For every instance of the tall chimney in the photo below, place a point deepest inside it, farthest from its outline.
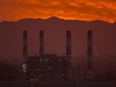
(68, 50)
(25, 49)
(41, 49)
(25, 55)
(89, 56)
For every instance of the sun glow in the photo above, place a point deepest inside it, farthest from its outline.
(65, 9)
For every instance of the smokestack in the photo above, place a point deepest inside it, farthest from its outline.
(25, 49)
(89, 56)
(41, 51)
(68, 43)
(68, 50)
(25, 55)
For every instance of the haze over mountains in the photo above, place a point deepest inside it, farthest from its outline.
(104, 37)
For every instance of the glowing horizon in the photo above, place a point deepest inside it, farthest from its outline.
(88, 10)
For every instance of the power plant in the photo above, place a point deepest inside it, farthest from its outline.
(47, 66)
(52, 70)
(50, 66)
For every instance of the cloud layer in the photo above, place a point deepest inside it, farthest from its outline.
(66, 9)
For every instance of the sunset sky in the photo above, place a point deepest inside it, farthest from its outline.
(66, 9)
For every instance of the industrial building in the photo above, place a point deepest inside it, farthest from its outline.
(50, 66)
(46, 66)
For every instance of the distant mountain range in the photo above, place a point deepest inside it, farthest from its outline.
(104, 36)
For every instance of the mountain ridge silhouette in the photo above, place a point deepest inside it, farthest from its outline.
(57, 19)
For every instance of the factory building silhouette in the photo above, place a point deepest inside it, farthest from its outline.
(50, 66)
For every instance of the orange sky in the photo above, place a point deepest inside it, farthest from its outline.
(66, 9)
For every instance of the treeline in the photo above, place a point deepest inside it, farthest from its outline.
(9, 72)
